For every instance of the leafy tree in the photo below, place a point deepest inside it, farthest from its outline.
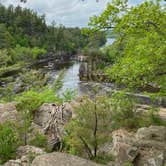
(4, 58)
(138, 54)
(6, 39)
(90, 129)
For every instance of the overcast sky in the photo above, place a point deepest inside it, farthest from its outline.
(67, 12)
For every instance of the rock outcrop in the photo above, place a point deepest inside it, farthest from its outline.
(146, 147)
(49, 120)
(61, 159)
(8, 112)
(25, 155)
(26, 150)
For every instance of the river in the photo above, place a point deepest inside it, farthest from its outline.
(71, 81)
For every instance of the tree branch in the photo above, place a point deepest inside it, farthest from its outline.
(88, 150)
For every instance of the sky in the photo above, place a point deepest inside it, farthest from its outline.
(71, 13)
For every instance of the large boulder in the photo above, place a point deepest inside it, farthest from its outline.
(26, 150)
(123, 147)
(25, 156)
(156, 133)
(50, 120)
(8, 112)
(13, 163)
(61, 159)
(146, 147)
(150, 157)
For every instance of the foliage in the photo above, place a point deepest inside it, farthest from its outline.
(104, 158)
(24, 27)
(125, 113)
(8, 142)
(6, 39)
(25, 54)
(127, 164)
(69, 95)
(90, 129)
(28, 103)
(31, 100)
(4, 58)
(57, 84)
(31, 79)
(24, 127)
(96, 118)
(138, 53)
(40, 140)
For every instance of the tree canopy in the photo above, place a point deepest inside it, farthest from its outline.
(138, 53)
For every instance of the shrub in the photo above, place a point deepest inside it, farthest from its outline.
(40, 140)
(123, 111)
(8, 142)
(90, 129)
(31, 100)
(128, 164)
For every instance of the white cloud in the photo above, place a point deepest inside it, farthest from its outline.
(66, 12)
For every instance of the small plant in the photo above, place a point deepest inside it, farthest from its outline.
(31, 157)
(31, 100)
(8, 142)
(40, 140)
(123, 111)
(68, 95)
(90, 129)
(104, 158)
(128, 164)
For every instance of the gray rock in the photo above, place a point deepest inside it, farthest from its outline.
(8, 112)
(156, 161)
(26, 150)
(50, 119)
(61, 159)
(13, 163)
(150, 157)
(123, 147)
(157, 133)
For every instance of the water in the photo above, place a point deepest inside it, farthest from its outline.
(109, 41)
(71, 79)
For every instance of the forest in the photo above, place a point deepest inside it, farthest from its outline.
(68, 97)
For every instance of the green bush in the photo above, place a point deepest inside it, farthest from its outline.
(25, 54)
(8, 142)
(40, 140)
(128, 164)
(31, 100)
(124, 113)
(104, 158)
(90, 129)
